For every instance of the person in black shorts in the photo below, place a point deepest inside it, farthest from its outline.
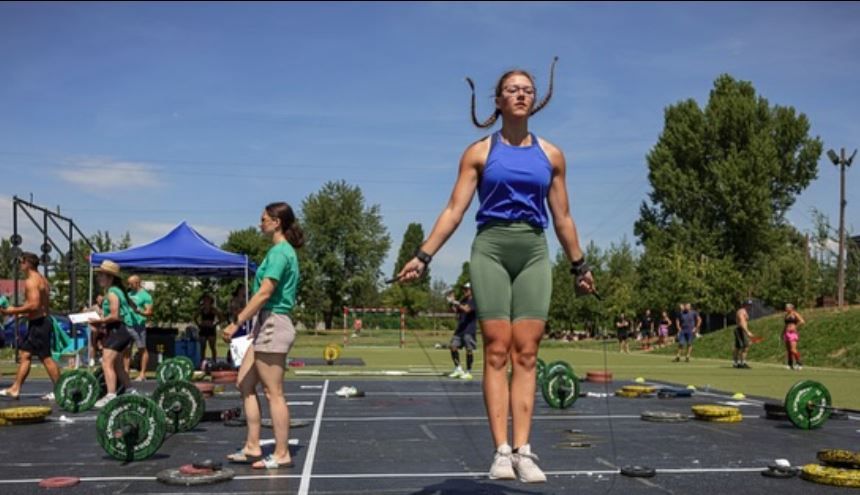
(118, 316)
(39, 327)
(622, 327)
(464, 336)
(207, 320)
(646, 329)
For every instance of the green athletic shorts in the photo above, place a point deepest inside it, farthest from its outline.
(510, 272)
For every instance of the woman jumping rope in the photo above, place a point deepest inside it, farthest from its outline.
(515, 174)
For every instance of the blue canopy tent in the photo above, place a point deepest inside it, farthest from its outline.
(183, 251)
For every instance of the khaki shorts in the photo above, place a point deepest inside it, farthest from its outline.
(273, 333)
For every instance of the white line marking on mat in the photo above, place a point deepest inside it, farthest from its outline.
(305, 484)
(314, 387)
(334, 419)
(582, 472)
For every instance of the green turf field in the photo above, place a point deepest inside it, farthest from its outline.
(768, 379)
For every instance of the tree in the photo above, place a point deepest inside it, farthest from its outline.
(346, 245)
(414, 297)
(59, 269)
(464, 277)
(249, 241)
(412, 240)
(722, 180)
(566, 309)
(6, 259)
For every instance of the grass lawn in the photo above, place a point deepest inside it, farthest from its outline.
(767, 378)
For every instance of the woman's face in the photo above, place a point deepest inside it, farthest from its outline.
(269, 225)
(104, 280)
(518, 96)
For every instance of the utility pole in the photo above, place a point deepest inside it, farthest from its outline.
(842, 162)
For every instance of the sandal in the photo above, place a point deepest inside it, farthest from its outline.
(5, 393)
(269, 462)
(242, 457)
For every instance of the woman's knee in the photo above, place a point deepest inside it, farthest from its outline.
(526, 359)
(496, 355)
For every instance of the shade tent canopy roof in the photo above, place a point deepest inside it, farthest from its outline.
(183, 251)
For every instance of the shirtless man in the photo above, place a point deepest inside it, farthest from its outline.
(39, 327)
(742, 336)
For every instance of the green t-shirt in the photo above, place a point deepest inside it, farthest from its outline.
(125, 312)
(4, 303)
(142, 299)
(282, 266)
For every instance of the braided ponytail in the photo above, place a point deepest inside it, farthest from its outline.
(537, 108)
(490, 121)
(499, 86)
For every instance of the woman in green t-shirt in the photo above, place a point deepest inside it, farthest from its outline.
(273, 334)
(118, 316)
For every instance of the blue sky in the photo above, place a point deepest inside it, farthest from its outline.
(136, 116)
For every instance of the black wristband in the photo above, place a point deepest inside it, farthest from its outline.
(423, 257)
(579, 267)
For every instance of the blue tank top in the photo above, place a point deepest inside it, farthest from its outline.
(514, 184)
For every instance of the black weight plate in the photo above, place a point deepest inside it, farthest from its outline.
(182, 403)
(174, 477)
(773, 407)
(77, 391)
(808, 405)
(15, 239)
(664, 417)
(779, 472)
(638, 471)
(131, 428)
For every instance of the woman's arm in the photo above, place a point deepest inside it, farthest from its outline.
(464, 190)
(253, 307)
(565, 228)
(800, 320)
(113, 315)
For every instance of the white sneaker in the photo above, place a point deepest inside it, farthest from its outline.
(524, 462)
(92, 363)
(48, 396)
(104, 401)
(799, 367)
(466, 376)
(457, 373)
(502, 468)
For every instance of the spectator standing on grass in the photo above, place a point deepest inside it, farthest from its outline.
(646, 328)
(356, 327)
(466, 333)
(688, 324)
(622, 329)
(742, 336)
(793, 320)
(663, 330)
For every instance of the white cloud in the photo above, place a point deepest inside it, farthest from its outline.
(144, 232)
(105, 172)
